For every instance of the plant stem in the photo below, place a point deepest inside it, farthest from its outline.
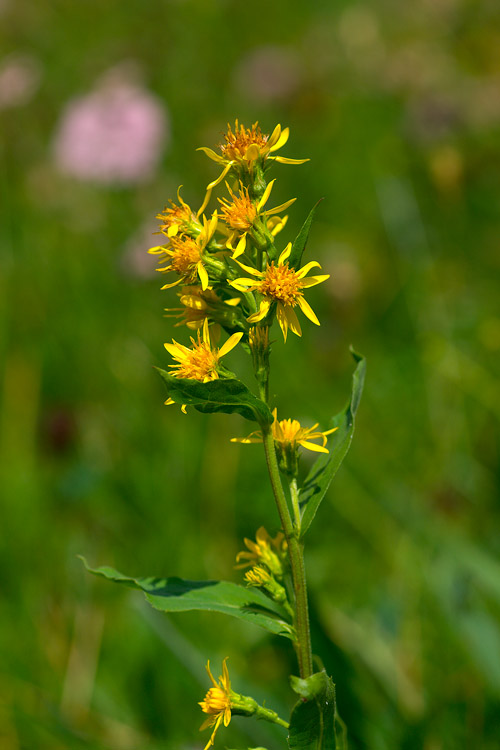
(294, 494)
(296, 556)
(272, 716)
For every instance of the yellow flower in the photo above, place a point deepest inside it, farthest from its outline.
(242, 212)
(289, 433)
(217, 703)
(184, 255)
(283, 285)
(258, 576)
(200, 305)
(247, 145)
(177, 217)
(264, 551)
(200, 362)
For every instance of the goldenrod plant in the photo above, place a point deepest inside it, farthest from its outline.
(235, 280)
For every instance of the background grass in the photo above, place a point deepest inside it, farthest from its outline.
(398, 107)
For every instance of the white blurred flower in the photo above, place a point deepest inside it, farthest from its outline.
(115, 134)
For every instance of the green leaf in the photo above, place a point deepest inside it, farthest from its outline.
(314, 717)
(178, 595)
(326, 466)
(300, 242)
(228, 395)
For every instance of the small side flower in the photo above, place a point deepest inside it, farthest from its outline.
(217, 703)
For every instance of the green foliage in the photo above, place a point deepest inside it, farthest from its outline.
(326, 466)
(178, 595)
(227, 395)
(300, 242)
(313, 718)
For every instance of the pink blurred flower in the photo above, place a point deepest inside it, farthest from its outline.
(114, 135)
(19, 80)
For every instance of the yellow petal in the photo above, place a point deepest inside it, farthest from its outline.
(285, 160)
(224, 172)
(274, 137)
(313, 280)
(225, 680)
(249, 269)
(292, 320)
(281, 140)
(205, 201)
(329, 432)
(307, 310)
(285, 254)
(283, 323)
(252, 153)
(261, 312)
(242, 285)
(212, 155)
(265, 197)
(212, 226)
(176, 350)
(172, 230)
(208, 722)
(281, 207)
(202, 273)
(240, 247)
(305, 269)
(313, 446)
(246, 441)
(174, 283)
(206, 333)
(230, 343)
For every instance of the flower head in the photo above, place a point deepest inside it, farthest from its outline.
(257, 576)
(245, 146)
(282, 285)
(177, 218)
(217, 703)
(264, 551)
(241, 215)
(288, 433)
(184, 255)
(201, 361)
(199, 305)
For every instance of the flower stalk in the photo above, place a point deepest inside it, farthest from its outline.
(296, 557)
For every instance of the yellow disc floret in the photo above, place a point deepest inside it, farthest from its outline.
(241, 212)
(185, 255)
(281, 283)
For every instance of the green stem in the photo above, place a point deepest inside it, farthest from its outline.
(296, 556)
(272, 716)
(294, 494)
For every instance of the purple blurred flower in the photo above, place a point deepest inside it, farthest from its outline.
(113, 135)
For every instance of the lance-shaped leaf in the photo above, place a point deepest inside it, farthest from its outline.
(300, 242)
(178, 595)
(326, 466)
(227, 395)
(313, 719)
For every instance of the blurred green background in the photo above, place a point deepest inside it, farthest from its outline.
(102, 105)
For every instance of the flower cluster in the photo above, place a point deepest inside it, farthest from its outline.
(203, 254)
